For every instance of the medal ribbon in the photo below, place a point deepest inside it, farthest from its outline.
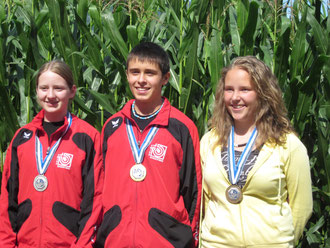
(42, 165)
(235, 170)
(138, 152)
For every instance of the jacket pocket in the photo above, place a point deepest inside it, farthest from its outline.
(67, 216)
(178, 234)
(111, 220)
(23, 212)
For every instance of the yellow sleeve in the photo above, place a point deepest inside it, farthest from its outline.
(204, 149)
(299, 184)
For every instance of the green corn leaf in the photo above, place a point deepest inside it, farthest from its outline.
(95, 15)
(92, 47)
(113, 35)
(249, 29)
(298, 50)
(103, 100)
(235, 37)
(321, 40)
(82, 9)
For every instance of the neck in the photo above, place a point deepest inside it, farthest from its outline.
(242, 133)
(145, 109)
(242, 129)
(53, 117)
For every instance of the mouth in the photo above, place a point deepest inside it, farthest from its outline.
(237, 107)
(141, 89)
(51, 104)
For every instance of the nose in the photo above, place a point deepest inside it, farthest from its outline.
(141, 78)
(236, 95)
(50, 93)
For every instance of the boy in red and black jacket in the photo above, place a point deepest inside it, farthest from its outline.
(152, 187)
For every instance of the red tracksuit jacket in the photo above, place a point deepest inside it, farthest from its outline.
(66, 213)
(163, 209)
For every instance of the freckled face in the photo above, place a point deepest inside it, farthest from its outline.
(145, 80)
(240, 97)
(54, 95)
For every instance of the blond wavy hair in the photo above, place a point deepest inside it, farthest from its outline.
(271, 115)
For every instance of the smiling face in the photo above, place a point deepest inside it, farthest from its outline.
(146, 81)
(54, 95)
(240, 97)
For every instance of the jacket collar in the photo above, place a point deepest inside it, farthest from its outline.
(38, 119)
(161, 118)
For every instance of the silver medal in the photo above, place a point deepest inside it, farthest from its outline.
(40, 183)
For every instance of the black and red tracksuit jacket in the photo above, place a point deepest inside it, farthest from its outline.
(163, 209)
(67, 212)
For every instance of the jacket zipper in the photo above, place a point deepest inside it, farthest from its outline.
(41, 220)
(139, 132)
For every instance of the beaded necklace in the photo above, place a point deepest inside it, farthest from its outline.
(145, 117)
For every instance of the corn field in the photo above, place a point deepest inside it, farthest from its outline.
(201, 36)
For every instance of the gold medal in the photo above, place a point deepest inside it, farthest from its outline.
(234, 194)
(138, 172)
(40, 183)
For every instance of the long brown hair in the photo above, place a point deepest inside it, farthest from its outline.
(271, 117)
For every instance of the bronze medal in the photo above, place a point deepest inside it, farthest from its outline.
(234, 194)
(138, 172)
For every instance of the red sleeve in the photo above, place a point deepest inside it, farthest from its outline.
(7, 234)
(94, 180)
(195, 222)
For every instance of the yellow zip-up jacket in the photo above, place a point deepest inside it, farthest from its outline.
(277, 197)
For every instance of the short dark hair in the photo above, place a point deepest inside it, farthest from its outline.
(151, 52)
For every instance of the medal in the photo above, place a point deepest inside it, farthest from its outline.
(138, 172)
(40, 183)
(234, 194)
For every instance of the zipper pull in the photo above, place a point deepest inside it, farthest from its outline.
(47, 150)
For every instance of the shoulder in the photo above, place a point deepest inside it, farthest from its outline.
(80, 125)
(208, 141)
(209, 138)
(180, 117)
(112, 124)
(292, 142)
(23, 135)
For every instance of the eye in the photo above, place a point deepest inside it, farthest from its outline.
(134, 72)
(151, 73)
(58, 88)
(43, 88)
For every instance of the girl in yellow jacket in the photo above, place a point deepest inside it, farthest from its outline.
(257, 186)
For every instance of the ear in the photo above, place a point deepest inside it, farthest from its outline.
(73, 91)
(166, 77)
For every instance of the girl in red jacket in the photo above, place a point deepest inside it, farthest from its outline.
(52, 176)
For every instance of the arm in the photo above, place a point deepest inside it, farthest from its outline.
(191, 180)
(299, 186)
(91, 204)
(205, 147)
(9, 189)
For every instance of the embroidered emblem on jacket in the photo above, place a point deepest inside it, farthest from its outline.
(157, 152)
(115, 123)
(26, 135)
(64, 160)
